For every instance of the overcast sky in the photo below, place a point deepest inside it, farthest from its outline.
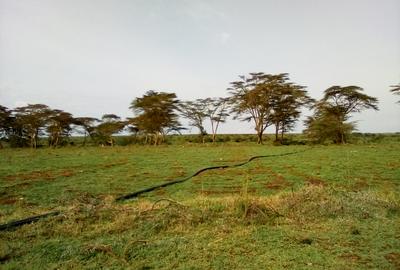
(91, 57)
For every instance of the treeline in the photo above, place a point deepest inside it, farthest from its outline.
(263, 99)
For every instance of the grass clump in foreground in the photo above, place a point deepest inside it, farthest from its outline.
(316, 227)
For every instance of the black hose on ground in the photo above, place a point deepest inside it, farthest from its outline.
(169, 183)
(18, 223)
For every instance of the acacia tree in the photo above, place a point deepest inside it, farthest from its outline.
(156, 114)
(267, 99)
(335, 108)
(213, 109)
(250, 100)
(5, 122)
(324, 126)
(195, 111)
(287, 100)
(59, 126)
(88, 124)
(111, 124)
(32, 119)
(217, 112)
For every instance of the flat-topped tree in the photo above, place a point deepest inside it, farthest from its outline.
(336, 108)
(287, 100)
(156, 114)
(216, 112)
(342, 101)
(195, 111)
(59, 126)
(32, 119)
(212, 109)
(88, 125)
(267, 99)
(111, 124)
(250, 101)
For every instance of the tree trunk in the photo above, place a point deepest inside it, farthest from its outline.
(277, 131)
(156, 139)
(56, 140)
(259, 137)
(214, 137)
(33, 140)
(341, 131)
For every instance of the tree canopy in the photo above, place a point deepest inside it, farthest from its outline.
(110, 124)
(156, 114)
(32, 120)
(267, 99)
(216, 112)
(335, 108)
(195, 112)
(59, 126)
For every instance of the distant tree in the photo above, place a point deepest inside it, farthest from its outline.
(335, 108)
(213, 109)
(59, 126)
(5, 123)
(131, 127)
(111, 124)
(250, 100)
(323, 126)
(156, 114)
(32, 119)
(195, 111)
(88, 124)
(268, 99)
(217, 112)
(11, 129)
(395, 90)
(287, 100)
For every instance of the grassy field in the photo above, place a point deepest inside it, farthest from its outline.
(330, 207)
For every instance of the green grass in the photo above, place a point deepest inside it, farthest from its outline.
(330, 207)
